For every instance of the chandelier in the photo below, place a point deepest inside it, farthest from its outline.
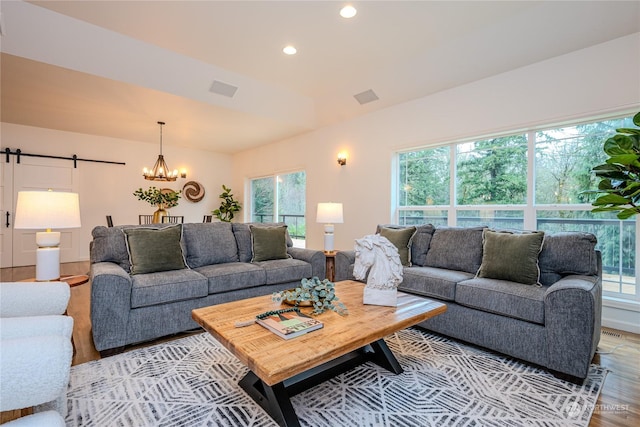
(160, 171)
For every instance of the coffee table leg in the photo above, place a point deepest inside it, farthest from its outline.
(382, 356)
(273, 399)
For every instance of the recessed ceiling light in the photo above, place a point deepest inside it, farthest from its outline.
(289, 50)
(348, 11)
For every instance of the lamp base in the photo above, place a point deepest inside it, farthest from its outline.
(48, 256)
(47, 264)
(328, 238)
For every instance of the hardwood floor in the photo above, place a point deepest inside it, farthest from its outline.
(619, 351)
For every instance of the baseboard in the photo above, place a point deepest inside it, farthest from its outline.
(621, 315)
(621, 326)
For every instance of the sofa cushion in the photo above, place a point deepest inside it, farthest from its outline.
(420, 243)
(209, 243)
(155, 249)
(503, 297)
(432, 282)
(167, 286)
(511, 256)
(285, 270)
(401, 239)
(268, 243)
(456, 248)
(567, 253)
(108, 245)
(242, 234)
(232, 276)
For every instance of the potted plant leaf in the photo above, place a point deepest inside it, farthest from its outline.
(316, 293)
(619, 187)
(162, 199)
(228, 206)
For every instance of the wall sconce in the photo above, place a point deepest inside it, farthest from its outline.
(342, 159)
(183, 173)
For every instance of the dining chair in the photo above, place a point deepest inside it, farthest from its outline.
(207, 218)
(173, 219)
(109, 221)
(145, 219)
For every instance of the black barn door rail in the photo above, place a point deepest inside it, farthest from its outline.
(74, 158)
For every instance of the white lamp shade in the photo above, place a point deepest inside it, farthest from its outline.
(329, 213)
(47, 209)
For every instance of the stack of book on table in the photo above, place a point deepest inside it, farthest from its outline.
(288, 324)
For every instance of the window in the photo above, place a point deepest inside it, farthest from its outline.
(492, 172)
(281, 198)
(533, 180)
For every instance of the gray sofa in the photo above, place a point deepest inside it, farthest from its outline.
(555, 324)
(130, 308)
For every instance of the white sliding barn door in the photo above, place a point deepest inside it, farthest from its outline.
(6, 214)
(39, 174)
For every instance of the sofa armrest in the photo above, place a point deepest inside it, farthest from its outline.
(344, 265)
(110, 304)
(36, 326)
(33, 298)
(35, 370)
(573, 312)
(314, 257)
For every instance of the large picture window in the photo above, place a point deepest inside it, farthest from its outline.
(525, 181)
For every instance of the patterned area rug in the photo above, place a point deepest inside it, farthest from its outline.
(193, 382)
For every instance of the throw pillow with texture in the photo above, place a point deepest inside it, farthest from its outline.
(456, 248)
(242, 233)
(401, 239)
(510, 256)
(155, 249)
(268, 243)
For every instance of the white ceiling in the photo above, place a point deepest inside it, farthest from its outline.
(114, 68)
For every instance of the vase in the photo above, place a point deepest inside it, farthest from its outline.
(159, 214)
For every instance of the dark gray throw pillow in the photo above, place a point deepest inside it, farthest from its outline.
(401, 239)
(456, 248)
(155, 249)
(510, 256)
(268, 243)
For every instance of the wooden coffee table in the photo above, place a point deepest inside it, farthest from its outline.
(282, 368)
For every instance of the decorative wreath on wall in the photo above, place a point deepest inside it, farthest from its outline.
(193, 191)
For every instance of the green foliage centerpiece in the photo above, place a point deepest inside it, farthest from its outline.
(163, 199)
(318, 294)
(620, 175)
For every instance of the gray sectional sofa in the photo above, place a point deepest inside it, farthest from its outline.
(554, 323)
(132, 303)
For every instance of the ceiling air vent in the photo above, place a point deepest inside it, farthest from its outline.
(223, 89)
(366, 97)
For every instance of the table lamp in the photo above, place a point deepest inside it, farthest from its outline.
(47, 210)
(329, 214)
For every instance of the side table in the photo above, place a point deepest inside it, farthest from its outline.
(71, 280)
(331, 265)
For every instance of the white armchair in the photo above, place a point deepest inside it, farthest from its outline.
(35, 351)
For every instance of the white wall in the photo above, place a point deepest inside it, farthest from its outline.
(583, 84)
(106, 189)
